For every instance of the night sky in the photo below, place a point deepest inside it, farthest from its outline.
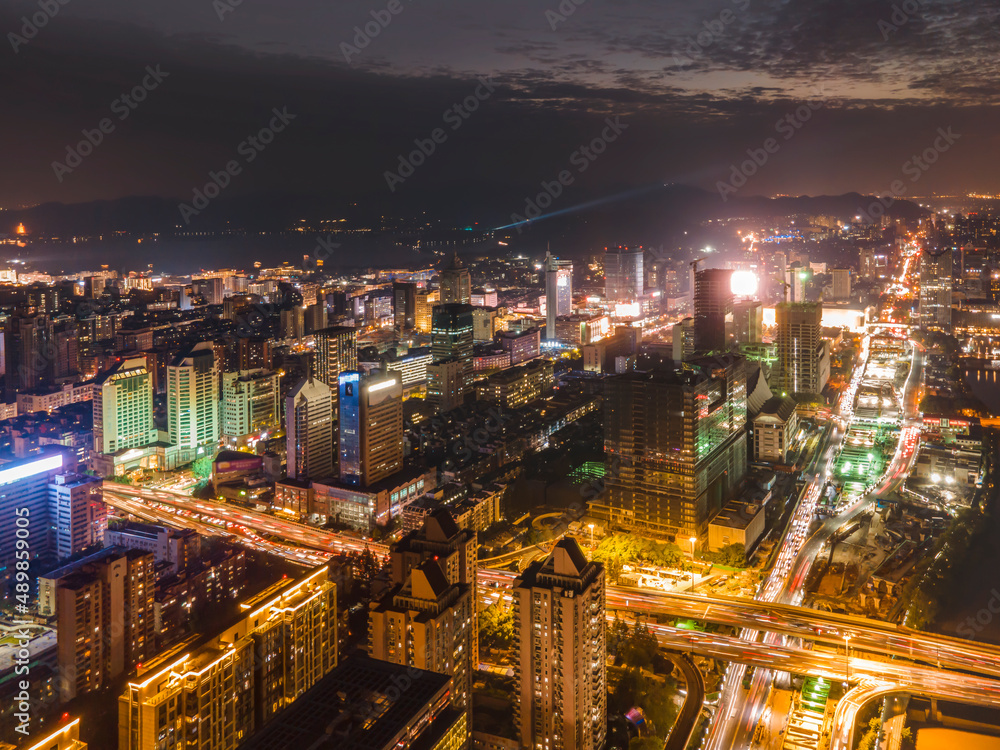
(692, 104)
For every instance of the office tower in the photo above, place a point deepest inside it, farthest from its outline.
(425, 303)
(77, 514)
(414, 711)
(28, 352)
(336, 352)
(220, 692)
(193, 402)
(24, 504)
(522, 345)
(713, 304)
(841, 283)
(251, 406)
(452, 338)
(123, 408)
(935, 289)
(623, 274)
(683, 339)
(316, 316)
(676, 444)
(404, 304)
(104, 608)
(484, 321)
(293, 323)
(558, 292)
(456, 284)
(309, 430)
(445, 385)
(428, 619)
(796, 278)
(748, 322)
(254, 353)
(559, 637)
(801, 350)
(371, 426)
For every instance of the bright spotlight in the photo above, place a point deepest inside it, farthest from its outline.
(744, 283)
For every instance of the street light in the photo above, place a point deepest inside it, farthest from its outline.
(847, 655)
(694, 579)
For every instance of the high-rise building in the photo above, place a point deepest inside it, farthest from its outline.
(425, 303)
(558, 292)
(219, 693)
(623, 274)
(713, 304)
(801, 349)
(935, 289)
(193, 402)
(251, 406)
(371, 427)
(445, 385)
(748, 322)
(675, 440)
(24, 504)
(683, 339)
(104, 609)
(452, 338)
(336, 352)
(841, 283)
(77, 513)
(456, 283)
(404, 304)
(29, 350)
(309, 430)
(559, 639)
(123, 408)
(796, 278)
(428, 619)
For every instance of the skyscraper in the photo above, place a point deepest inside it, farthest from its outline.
(801, 350)
(559, 639)
(713, 304)
(428, 619)
(676, 444)
(456, 283)
(336, 352)
(558, 292)
(123, 408)
(251, 405)
(935, 289)
(841, 283)
(77, 514)
(371, 426)
(623, 274)
(309, 430)
(682, 334)
(404, 304)
(25, 504)
(193, 402)
(452, 338)
(748, 322)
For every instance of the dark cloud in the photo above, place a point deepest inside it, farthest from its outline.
(692, 111)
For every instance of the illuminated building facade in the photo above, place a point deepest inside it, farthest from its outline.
(251, 406)
(623, 275)
(213, 696)
(309, 430)
(193, 402)
(123, 408)
(675, 440)
(713, 305)
(935, 290)
(336, 352)
(800, 348)
(559, 639)
(371, 427)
